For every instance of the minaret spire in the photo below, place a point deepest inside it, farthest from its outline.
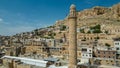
(72, 19)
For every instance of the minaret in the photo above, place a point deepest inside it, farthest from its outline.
(72, 19)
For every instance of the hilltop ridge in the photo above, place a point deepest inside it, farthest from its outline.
(85, 18)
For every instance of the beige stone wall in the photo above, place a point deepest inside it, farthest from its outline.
(30, 49)
(111, 28)
(106, 54)
(107, 62)
(91, 36)
(23, 66)
(104, 41)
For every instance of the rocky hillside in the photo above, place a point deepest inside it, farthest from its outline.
(98, 15)
(87, 17)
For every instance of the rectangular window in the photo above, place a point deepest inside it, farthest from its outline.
(84, 49)
(98, 52)
(117, 48)
(113, 52)
(104, 52)
(116, 43)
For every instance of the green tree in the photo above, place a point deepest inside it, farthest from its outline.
(82, 31)
(106, 32)
(106, 44)
(97, 31)
(89, 31)
(97, 27)
(63, 27)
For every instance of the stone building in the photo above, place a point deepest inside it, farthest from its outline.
(105, 56)
(117, 46)
(106, 53)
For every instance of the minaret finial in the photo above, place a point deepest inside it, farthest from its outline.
(72, 6)
(72, 11)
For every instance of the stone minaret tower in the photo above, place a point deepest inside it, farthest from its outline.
(72, 19)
